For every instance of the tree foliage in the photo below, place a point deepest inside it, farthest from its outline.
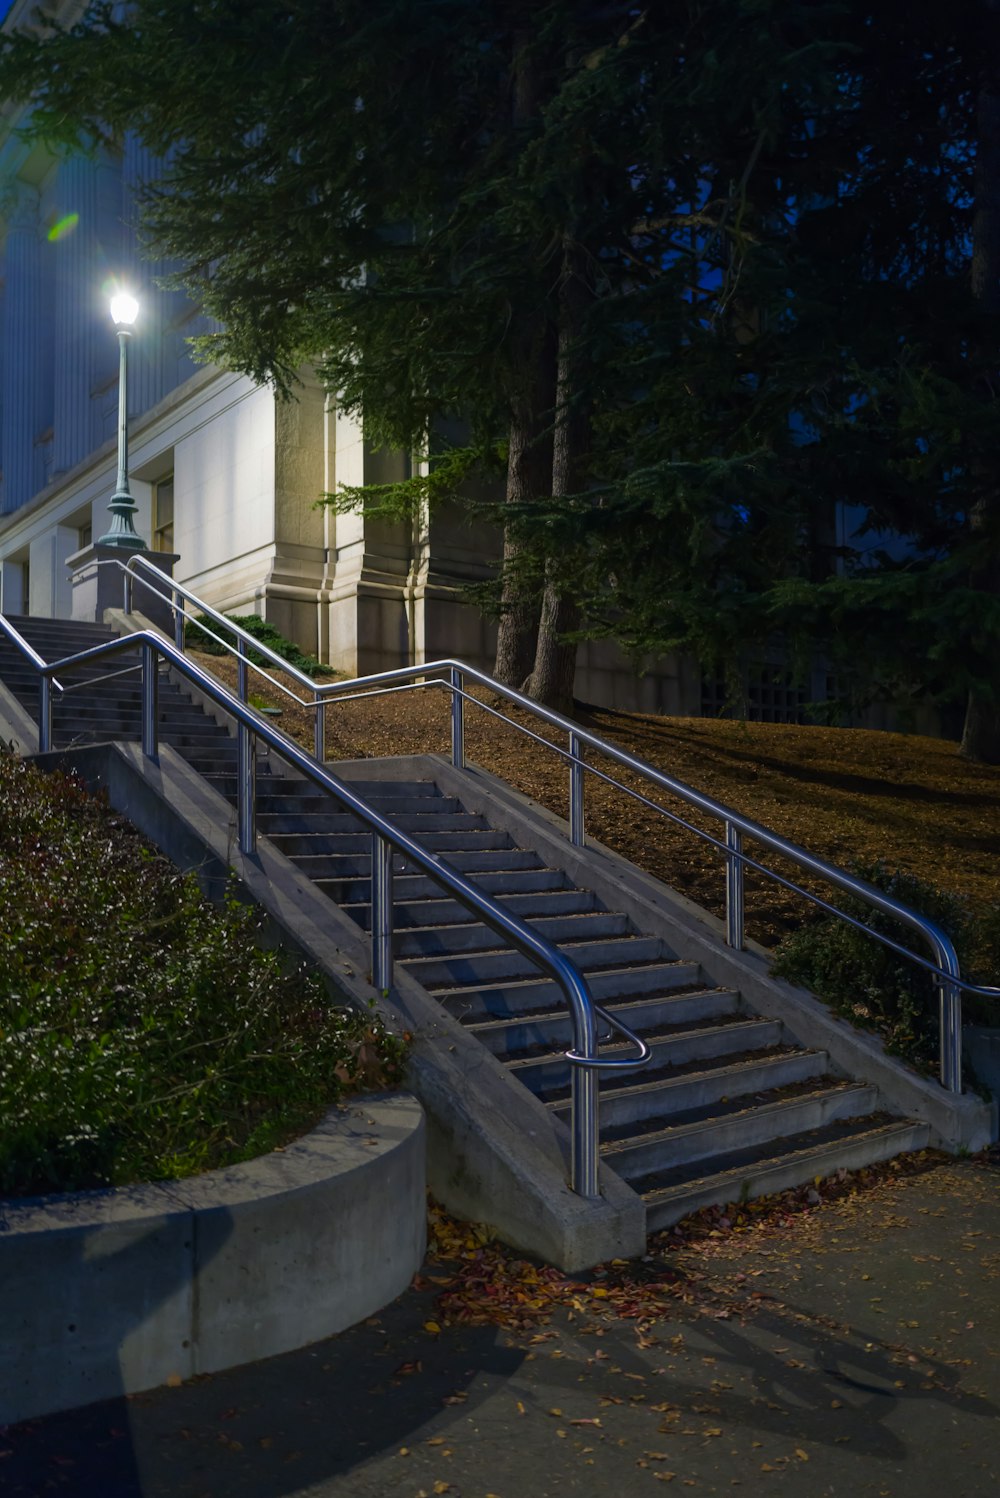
(696, 274)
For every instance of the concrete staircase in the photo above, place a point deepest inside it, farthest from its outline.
(731, 1106)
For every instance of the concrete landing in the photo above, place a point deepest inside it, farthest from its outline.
(851, 1352)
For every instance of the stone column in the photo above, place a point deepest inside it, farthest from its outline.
(370, 627)
(27, 344)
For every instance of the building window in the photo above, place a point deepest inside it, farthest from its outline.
(163, 514)
(86, 535)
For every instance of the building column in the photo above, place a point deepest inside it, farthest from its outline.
(27, 343)
(369, 564)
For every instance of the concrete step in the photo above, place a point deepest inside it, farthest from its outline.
(310, 844)
(511, 1037)
(102, 733)
(448, 912)
(327, 820)
(374, 790)
(490, 966)
(536, 995)
(468, 938)
(84, 707)
(741, 1127)
(758, 1172)
(411, 888)
(548, 1075)
(647, 1098)
(306, 801)
(413, 791)
(471, 861)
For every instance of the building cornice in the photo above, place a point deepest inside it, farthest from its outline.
(104, 455)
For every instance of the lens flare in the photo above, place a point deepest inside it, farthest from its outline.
(62, 227)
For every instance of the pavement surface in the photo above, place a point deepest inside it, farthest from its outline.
(847, 1346)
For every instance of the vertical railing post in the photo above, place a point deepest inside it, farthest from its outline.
(179, 620)
(584, 1128)
(381, 913)
(950, 1008)
(241, 670)
(577, 827)
(44, 714)
(319, 728)
(126, 591)
(734, 888)
(150, 701)
(246, 788)
(457, 719)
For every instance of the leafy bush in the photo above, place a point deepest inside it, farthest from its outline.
(197, 639)
(875, 988)
(144, 1034)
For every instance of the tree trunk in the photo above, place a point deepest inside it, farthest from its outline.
(529, 476)
(551, 679)
(529, 458)
(981, 734)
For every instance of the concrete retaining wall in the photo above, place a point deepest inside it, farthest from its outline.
(105, 1293)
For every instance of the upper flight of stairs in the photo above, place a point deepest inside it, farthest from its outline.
(731, 1104)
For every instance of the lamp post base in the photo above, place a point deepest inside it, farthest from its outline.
(96, 588)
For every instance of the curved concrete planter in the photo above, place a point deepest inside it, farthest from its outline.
(110, 1292)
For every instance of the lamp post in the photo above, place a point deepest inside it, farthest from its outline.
(121, 533)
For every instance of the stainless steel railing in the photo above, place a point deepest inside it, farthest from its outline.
(454, 676)
(138, 570)
(585, 1062)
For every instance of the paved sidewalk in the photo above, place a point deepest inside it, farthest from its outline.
(854, 1350)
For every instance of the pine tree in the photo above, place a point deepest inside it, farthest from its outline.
(472, 211)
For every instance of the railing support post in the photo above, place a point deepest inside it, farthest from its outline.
(246, 788)
(457, 720)
(150, 702)
(242, 675)
(44, 714)
(126, 591)
(734, 888)
(950, 1009)
(179, 620)
(577, 826)
(381, 913)
(583, 1156)
(319, 728)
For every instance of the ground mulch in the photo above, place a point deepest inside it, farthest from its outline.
(844, 794)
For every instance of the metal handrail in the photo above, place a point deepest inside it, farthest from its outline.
(585, 1062)
(159, 583)
(944, 967)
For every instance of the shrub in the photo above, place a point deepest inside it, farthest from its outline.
(875, 988)
(197, 639)
(144, 1033)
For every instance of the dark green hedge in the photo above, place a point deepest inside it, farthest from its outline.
(144, 1033)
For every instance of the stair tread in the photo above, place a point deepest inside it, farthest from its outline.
(739, 1020)
(732, 1167)
(613, 1006)
(615, 1141)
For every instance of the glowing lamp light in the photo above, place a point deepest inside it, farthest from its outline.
(124, 309)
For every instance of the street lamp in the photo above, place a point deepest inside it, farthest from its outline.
(121, 533)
